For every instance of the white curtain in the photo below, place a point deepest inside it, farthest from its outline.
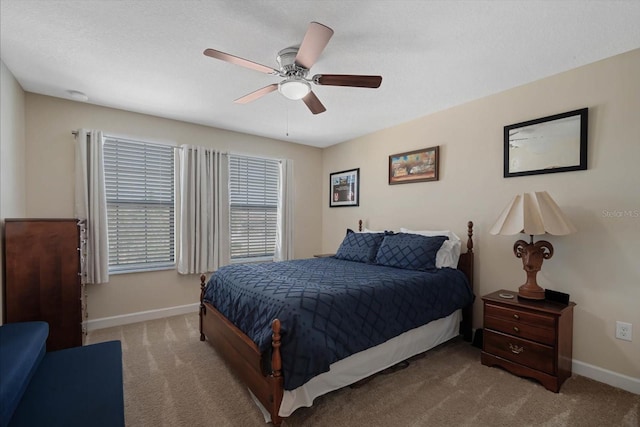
(284, 232)
(203, 210)
(91, 203)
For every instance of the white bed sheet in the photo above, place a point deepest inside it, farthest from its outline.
(365, 363)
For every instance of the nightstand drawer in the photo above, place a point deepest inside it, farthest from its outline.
(520, 329)
(506, 313)
(524, 352)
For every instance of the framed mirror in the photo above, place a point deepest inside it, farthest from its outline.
(551, 144)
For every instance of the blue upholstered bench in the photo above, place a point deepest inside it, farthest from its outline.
(80, 386)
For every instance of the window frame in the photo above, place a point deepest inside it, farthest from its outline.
(273, 208)
(145, 266)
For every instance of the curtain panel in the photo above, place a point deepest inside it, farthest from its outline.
(202, 219)
(284, 232)
(91, 202)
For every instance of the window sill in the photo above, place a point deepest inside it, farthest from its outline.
(140, 269)
(251, 260)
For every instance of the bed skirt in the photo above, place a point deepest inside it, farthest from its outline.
(366, 363)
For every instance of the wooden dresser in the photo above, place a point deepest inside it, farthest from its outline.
(42, 266)
(528, 338)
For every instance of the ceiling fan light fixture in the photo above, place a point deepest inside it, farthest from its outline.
(294, 88)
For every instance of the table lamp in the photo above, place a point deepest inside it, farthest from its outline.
(534, 214)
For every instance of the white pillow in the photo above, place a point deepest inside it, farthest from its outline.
(366, 230)
(449, 252)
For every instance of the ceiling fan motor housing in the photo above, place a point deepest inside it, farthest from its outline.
(295, 86)
(287, 60)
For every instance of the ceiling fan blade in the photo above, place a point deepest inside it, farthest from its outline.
(240, 61)
(313, 43)
(314, 103)
(256, 94)
(347, 80)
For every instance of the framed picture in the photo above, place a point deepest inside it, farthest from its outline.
(551, 144)
(414, 166)
(344, 188)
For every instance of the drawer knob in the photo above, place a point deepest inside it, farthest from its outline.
(515, 316)
(515, 349)
(515, 328)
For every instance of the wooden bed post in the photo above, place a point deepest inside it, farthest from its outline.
(277, 382)
(276, 359)
(466, 265)
(203, 310)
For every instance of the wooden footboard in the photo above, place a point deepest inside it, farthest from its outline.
(244, 357)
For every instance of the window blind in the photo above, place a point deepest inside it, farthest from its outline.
(253, 200)
(139, 180)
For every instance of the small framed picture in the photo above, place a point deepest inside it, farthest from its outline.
(414, 166)
(344, 188)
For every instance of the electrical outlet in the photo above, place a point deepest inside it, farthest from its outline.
(623, 331)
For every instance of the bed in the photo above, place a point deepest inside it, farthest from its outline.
(294, 330)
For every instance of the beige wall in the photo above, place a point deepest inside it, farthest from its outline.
(12, 155)
(598, 266)
(50, 188)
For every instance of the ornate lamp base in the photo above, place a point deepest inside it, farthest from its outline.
(529, 292)
(532, 255)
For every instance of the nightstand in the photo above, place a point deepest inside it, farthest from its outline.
(528, 338)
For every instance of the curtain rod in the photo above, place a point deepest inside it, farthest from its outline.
(177, 147)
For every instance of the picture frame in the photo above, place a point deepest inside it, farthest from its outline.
(414, 166)
(344, 188)
(551, 144)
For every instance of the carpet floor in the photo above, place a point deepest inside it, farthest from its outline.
(173, 379)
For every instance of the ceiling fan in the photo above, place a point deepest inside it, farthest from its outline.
(295, 63)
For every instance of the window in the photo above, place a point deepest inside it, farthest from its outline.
(140, 205)
(253, 202)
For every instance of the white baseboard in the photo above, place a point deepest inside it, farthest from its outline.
(606, 376)
(125, 319)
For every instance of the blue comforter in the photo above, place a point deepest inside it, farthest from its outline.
(330, 309)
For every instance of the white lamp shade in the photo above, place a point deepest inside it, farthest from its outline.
(294, 88)
(534, 214)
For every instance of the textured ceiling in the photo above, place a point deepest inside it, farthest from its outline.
(146, 56)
